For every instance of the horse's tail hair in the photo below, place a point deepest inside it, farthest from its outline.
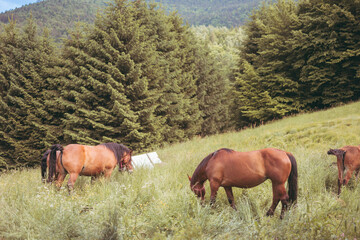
(44, 165)
(340, 155)
(52, 161)
(293, 179)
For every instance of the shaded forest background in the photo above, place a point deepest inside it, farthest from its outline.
(137, 75)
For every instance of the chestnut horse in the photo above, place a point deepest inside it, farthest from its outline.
(348, 158)
(228, 168)
(76, 159)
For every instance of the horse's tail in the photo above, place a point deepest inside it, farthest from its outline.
(44, 165)
(52, 160)
(293, 179)
(340, 155)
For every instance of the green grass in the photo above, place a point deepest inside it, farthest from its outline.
(159, 204)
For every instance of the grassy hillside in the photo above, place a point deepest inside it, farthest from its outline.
(158, 203)
(60, 15)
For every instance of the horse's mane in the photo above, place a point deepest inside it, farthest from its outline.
(199, 168)
(117, 149)
(204, 163)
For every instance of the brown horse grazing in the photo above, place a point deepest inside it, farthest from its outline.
(76, 159)
(348, 158)
(228, 168)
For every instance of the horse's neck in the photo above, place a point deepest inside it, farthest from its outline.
(200, 177)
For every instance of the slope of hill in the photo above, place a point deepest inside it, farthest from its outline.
(57, 15)
(60, 15)
(158, 203)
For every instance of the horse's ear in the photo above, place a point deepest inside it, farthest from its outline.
(189, 177)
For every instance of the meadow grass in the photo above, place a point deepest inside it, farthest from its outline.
(158, 203)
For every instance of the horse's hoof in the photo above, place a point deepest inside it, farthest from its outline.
(269, 213)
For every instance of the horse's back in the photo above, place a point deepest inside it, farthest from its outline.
(73, 157)
(249, 169)
(352, 155)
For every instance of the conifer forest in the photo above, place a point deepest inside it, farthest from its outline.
(137, 74)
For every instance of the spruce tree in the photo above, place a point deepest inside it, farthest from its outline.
(24, 71)
(266, 89)
(304, 55)
(212, 93)
(327, 49)
(132, 78)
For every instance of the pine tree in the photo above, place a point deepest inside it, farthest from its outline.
(24, 71)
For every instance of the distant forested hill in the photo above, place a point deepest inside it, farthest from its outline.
(217, 13)
(57, 15)
(60, 15)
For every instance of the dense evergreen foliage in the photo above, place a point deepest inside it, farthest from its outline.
(26, 67)
(60, 15)
(137, 76)
(298, 57)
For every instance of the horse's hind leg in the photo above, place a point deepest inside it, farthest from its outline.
(230, 196)
(60, 180)
(348, 176)
(285, 204)
(71, 182)
(340, 174)
(275, 202)
(279, 193)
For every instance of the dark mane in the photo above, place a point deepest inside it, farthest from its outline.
(202, 165)
(225, 149)
(117, 149)
(197, 173)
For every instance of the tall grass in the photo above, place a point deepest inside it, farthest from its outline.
(159, 204)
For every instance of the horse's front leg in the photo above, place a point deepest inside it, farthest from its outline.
(357, 173)
(107, 173)
(230, 196)
(214, 186)
(94, 178)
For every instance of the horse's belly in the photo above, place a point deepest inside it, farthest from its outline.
(243, 182)
(92, 170)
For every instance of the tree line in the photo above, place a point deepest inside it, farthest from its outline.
(297, 57)
(136, 76)
(61, 15)
(140, 77)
